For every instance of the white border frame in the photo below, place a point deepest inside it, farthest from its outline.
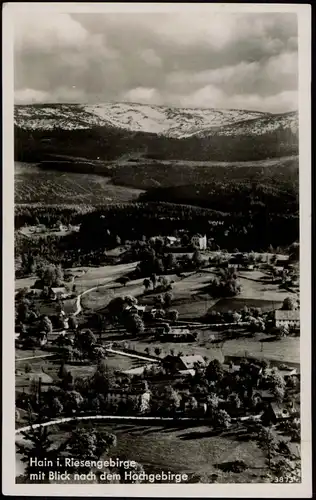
(253, 490)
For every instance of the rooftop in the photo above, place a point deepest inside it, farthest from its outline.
(264, 393)
(287, 315)
(190, 360)
(280, 409)
(45, 379)
(59, 289)
(135, 306)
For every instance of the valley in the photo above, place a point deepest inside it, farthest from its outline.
(155, 249)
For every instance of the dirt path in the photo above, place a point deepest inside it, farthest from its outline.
(103, 417)
(130, 355)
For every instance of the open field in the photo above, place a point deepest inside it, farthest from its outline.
(25, 282)
(195, 306)
(232, 304)
(194, 450)
(260, 346)
(184, 290)
(189, 296)
(89, 277)
(190, 299)
(34, 184)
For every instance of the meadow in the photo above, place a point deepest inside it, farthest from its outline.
(98, 285)
(33, 184)
(195, 450)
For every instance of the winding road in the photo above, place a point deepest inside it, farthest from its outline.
(102, 417)
(122, 418)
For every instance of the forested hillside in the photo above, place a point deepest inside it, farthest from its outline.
(233, 197)
(108, 143)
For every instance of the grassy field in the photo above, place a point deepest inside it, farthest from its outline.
(260, 346)
(190, 299)
(89, 277)
(194, 450)
(232, 304)
(33, 185)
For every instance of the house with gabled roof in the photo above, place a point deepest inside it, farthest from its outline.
(287, 318)
(183, 364)
(278, 412)
(59, 292)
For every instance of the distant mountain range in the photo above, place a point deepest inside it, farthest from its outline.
(161, 120)
(111, 131)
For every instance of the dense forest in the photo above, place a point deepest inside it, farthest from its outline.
(144, 175)
(243, 215)
(110, 143)
(233, 197)
(243, 228)
(49, 215)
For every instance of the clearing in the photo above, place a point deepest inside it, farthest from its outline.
(176, 449)
(33, 184)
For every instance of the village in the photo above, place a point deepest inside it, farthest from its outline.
(158, 318)
(222, 365)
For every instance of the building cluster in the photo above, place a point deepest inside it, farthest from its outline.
(198, 241)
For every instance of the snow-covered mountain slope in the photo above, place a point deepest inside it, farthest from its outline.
(258, 126)
(161, 120)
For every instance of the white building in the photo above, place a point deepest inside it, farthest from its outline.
(199, 241)
(59, 293)
(287, 318)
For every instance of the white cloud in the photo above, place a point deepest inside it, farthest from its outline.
(213, 97)
(217, 76)
(150, 57)
(30, 96)
(206, 97)
(195, 59)
(282, 64)
(214, 29)
(142, 95)
(42, 31)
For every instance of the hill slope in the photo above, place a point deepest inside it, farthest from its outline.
(161, 120)
(111, 131)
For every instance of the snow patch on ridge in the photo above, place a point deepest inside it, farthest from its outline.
(161, 120)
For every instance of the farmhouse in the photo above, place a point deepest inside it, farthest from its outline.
(277, 412)
(234, 366)
(178, 333)
(120, 396)
(135, 309)
(183, 364)
(287, 318)
(59, 293)
(285, 372)
(199, 242)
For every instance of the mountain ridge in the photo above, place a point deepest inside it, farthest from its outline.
(153, 119)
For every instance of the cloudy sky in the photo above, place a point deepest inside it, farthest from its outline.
(246, 61)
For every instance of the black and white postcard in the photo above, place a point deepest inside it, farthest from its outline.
(156, 296)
